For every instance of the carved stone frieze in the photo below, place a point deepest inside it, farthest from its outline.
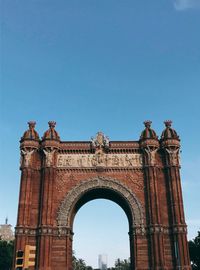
(179, 229)
(157, 229)
(54, 231)
(25, 231)
(99, 159)
(137, 230)
(66, 206)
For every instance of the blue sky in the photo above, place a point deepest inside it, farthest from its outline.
(100, 65)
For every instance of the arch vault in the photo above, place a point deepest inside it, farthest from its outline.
(101, 187)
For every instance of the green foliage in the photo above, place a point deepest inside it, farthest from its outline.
(122, 264)
(194, 249)
(6, 254)
(79, 264)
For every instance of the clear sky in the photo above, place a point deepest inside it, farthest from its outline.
(97, 65)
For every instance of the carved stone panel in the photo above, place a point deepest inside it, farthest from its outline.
(99, 159)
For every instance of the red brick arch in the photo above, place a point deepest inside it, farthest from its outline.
(142, 177)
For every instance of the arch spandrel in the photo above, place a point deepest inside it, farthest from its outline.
(66, 210)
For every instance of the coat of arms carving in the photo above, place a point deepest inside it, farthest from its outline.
(100, 141)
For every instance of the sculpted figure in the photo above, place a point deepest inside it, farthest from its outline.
(115, 160)
(108, 160)
(151, 155)
(68, 161)
(93, 160)
(84, 161)
(173, 155)
(27, 156)
(100, 158)
(60, 161)
(93, 141)
(88, 161)
(106, 141)
(80, 161)
(122, 161)
(49, 157)
(128, 160)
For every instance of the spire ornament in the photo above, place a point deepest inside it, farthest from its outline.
(51, 133)
(30, 134)
(148, 132)
(168, 123)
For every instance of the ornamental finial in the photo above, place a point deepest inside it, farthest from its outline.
(31, 124)
(147, 123)
(52, 124)
(168, 123)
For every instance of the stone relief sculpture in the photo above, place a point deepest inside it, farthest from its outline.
(100, 140)
(99, 159)
(173, 156)
(49, 157)
(151, 155)
(26, 157)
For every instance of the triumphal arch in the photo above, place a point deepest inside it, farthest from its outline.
(142, 177)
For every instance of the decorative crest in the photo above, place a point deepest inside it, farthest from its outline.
(100, 141)
(147, 123)
(52, 124)
(31, 124)
(168, 123)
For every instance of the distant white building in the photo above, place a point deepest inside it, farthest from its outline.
(102, 262)
(6, 232)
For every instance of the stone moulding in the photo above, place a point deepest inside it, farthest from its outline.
(67, 205)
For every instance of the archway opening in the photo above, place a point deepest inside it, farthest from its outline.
(101, 188)
(103, 193)
(100, 228)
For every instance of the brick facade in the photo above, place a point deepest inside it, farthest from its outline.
(143, 177)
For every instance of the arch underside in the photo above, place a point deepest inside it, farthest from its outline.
(100, 187)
